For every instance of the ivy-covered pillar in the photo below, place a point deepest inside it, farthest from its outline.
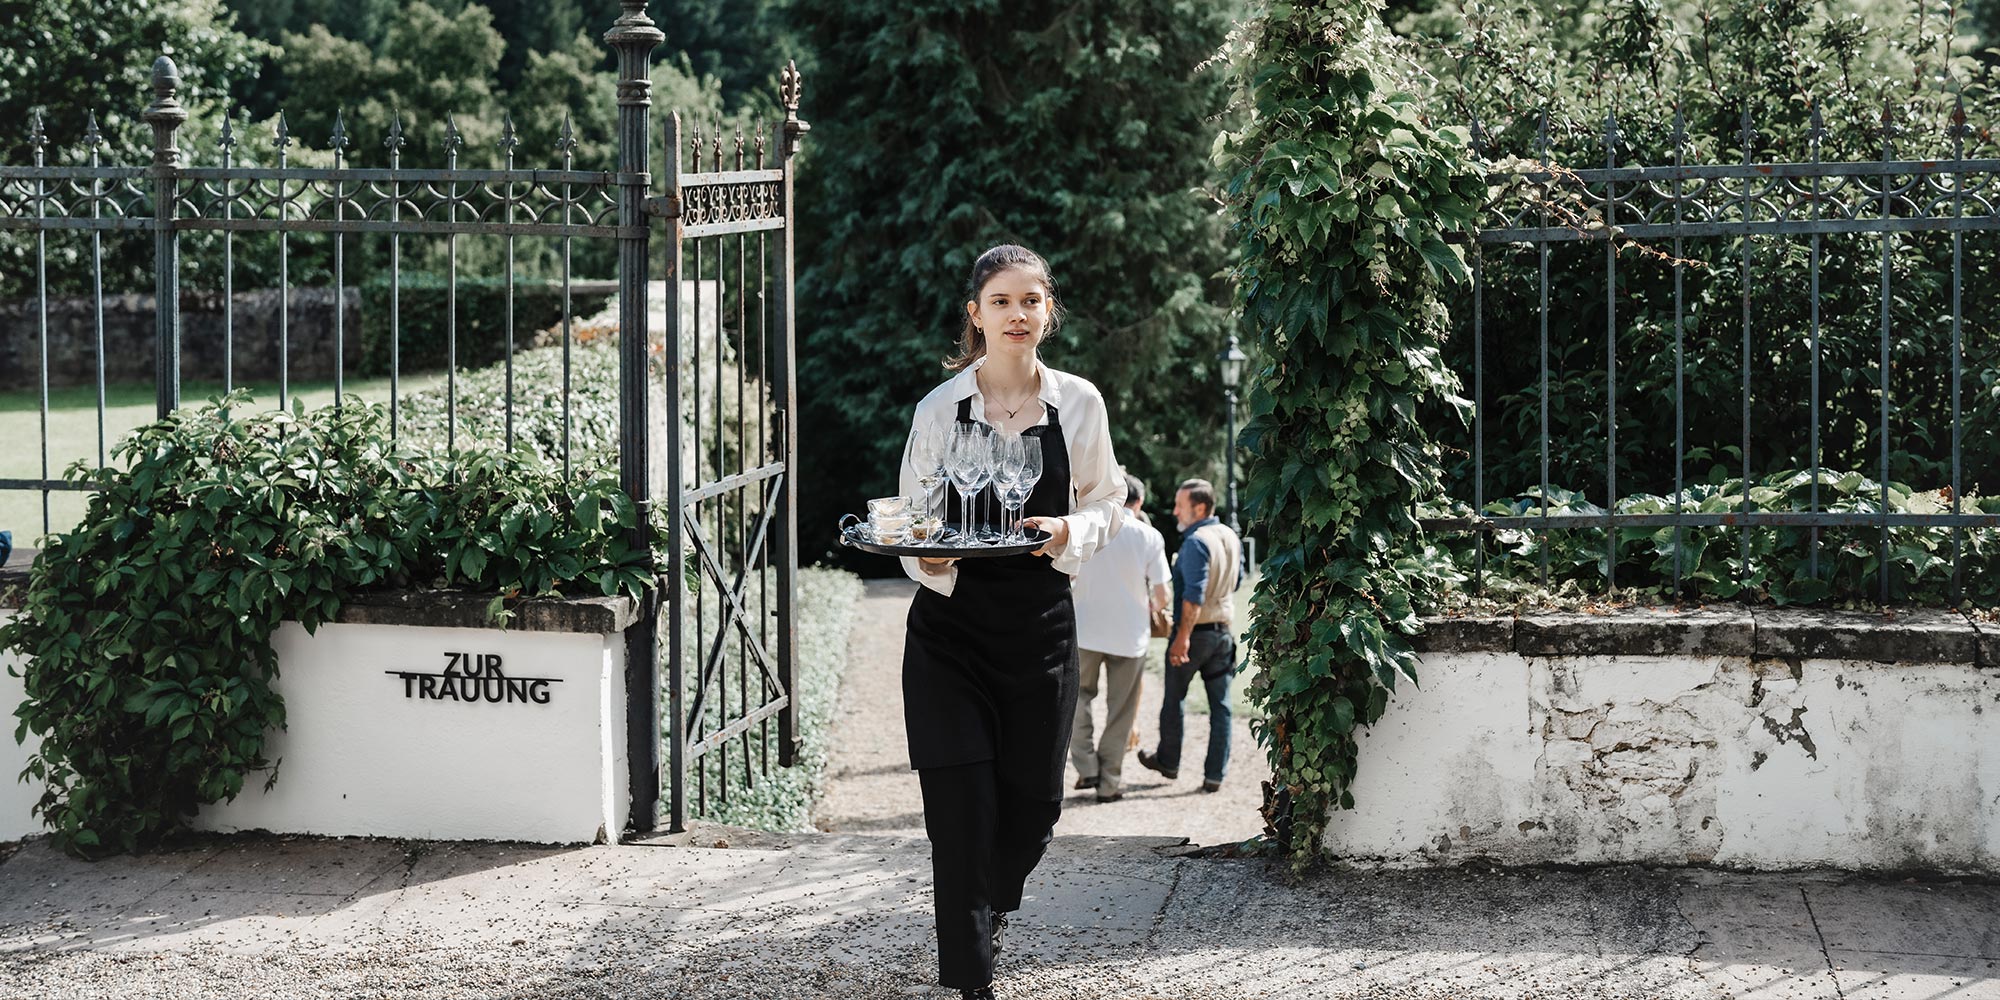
(1345, 190)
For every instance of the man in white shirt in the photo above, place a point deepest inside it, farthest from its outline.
(1116, 593)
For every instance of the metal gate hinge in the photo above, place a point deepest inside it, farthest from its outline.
(665, 206)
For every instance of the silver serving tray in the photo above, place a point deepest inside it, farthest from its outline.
(855, 535)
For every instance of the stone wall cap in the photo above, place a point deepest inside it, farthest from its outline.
(1893, 635)
(429, 608)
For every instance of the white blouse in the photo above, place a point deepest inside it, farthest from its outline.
(1097, 490)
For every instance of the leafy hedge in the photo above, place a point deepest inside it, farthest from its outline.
(1710, 561)
(1344, 190)
(146, 629)
(482, 319)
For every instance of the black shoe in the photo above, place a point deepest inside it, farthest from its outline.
(1113, 797)
(982, 993)
(1083, 783)
(1211, 786)
(1152, 763)
(999, 931)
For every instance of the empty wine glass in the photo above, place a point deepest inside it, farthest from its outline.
(927, 446)
(1008, 457)
(969, 463)
(1023, 486)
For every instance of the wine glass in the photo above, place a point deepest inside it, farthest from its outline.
(969, 463)
(1016, 495)
(927, 446)
(1008, 457)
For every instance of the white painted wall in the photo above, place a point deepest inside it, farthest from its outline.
(1682, 760)
(17, 798)
(358, 757)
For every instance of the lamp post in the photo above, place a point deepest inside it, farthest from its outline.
(1232, 371)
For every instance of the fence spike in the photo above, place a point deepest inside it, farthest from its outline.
(759, 146)
(716, 141)
(1610, 131)
(566, 139)
(508, 140)
(394, 141)
(453, 141)
(93, 137)
(282, 137)
(1478, 135)
(1748, 134)
(1680, 128)
(227, 140)
(739, 147)
(38, 137)
(790, 84)
(1817, 133)
(1958, 129)
(338, 142)
(1542, 134)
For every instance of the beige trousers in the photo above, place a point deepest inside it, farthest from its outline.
(1104, 757)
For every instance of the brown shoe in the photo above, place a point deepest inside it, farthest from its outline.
(1088, 781)
(1211, 786)
(1152, 763)
(1113, 797)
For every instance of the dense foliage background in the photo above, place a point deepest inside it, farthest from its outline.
(1080, 130)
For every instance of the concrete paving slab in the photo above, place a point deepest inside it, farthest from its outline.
(39, 881)
(1873, 976)
(1756, 937)
(1913, 918)
(335, 867)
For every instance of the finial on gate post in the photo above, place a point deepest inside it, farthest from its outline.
(635, 36)
(38, 137)
(165, 114)
(790, 84)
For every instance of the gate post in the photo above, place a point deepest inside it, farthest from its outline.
(634, 37)
(166, 116)
(786, 396)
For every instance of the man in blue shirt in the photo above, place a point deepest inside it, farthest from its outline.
(1207, 571)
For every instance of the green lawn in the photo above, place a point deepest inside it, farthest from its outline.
(73, 433)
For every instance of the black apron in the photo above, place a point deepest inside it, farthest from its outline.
(990, 673)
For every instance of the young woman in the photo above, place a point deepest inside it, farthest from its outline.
(989, 665)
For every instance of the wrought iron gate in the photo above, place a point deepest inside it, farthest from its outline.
(733, 554)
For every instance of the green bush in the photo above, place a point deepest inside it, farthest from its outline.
(482, 319)
(146, 630)
(784, 799)
(1710, 560)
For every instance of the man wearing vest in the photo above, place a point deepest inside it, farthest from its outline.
(1207, 571)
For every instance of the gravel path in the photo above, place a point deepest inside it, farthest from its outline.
(871, 789)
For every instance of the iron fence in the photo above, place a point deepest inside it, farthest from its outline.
(728, 237)
(1541, 206)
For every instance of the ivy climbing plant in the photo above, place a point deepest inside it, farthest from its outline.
(1345, 194)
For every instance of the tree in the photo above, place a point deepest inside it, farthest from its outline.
(1081, 130)
(71, 59)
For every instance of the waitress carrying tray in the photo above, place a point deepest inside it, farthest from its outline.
(855, 535)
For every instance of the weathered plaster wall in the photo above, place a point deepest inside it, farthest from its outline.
(17, 798)
(1766, 740)
(365, 753)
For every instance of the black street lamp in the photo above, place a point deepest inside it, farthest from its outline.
(1232, 372)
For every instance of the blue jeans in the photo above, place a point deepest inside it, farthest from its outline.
(1212, 657)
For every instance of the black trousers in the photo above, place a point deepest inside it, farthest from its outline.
(986, 834)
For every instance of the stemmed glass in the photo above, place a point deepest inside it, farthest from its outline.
(928, 443)
(969, 463)
(1008, 456)
(1022, 486)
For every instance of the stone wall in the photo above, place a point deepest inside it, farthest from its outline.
(1742, 739)
(129, 338)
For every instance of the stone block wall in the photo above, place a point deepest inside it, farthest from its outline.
(129, 355)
